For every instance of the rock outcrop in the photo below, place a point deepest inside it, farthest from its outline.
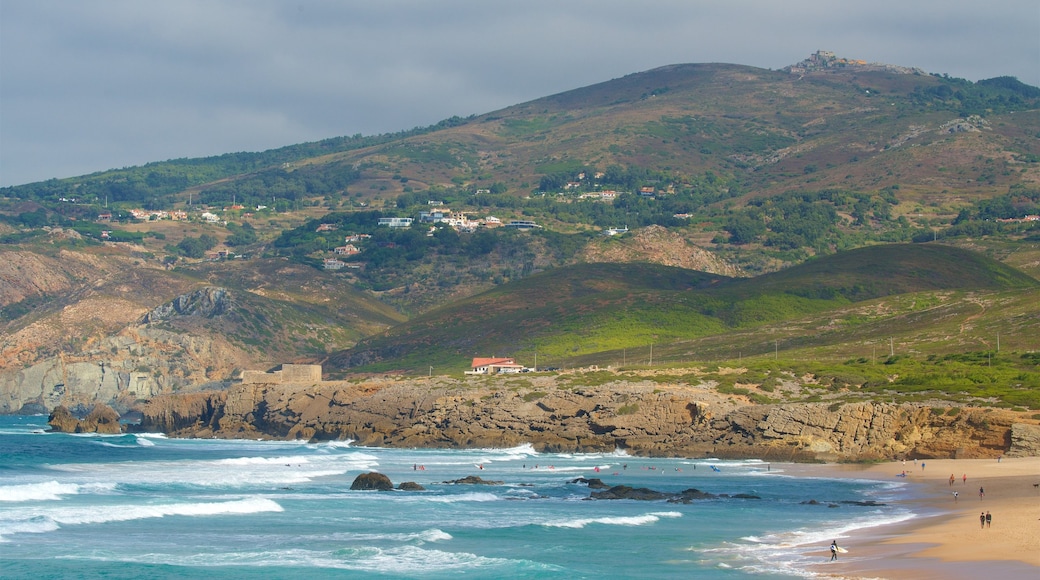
(650, 420)
(372, 481)
(1025, 440)
(101, 419)
(205, 302)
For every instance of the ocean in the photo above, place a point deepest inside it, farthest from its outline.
(146, 506)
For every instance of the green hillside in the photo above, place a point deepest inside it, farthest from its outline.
(593, 312)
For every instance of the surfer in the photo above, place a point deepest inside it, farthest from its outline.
(834, 550)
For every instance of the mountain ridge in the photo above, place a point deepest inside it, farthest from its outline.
(729, 168)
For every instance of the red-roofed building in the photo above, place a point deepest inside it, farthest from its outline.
(493, 366)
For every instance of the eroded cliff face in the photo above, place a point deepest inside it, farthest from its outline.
(676, 420)
(135, 363)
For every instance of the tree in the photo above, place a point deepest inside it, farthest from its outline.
(197, 247)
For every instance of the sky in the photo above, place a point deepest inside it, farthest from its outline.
(90, 85)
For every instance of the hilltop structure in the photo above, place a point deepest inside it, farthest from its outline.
(825, 60)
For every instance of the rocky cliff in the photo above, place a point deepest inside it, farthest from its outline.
(644, 419)
(137, 362)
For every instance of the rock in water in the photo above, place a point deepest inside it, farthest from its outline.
(61, 420)
(626, 492)
(101, 419)
(473, 480)
(372, 480)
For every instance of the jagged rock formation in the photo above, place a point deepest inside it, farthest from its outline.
(650, 420)
(101, 419)
(205, 302)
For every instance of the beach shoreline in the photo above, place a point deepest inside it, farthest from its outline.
(946, 539)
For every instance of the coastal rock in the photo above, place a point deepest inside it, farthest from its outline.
(593, 483)
(61, 420)
(690, 495)
(1025, 440)
(642, 419)
(627, 492)
(372, 481)
(101, 419)
(473, 480)
(410, 486)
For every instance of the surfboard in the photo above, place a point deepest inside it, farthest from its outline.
(842, 550)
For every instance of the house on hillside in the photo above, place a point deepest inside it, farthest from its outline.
(395, 222)
(522, 224)
(494, 366)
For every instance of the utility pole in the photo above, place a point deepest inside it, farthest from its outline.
(431, 372)
(776, 349)
(651, 354)
(998, 342)
(891, 348)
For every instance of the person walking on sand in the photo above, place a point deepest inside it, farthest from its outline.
(982, 519)
(989, 520)
(982, 493)
(952, 479)
(965, 479)
(834, 550)
(954, 496)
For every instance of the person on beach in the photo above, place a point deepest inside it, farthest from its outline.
(989, 519)
(834, 550)
(952, 479)
(982, 519)
(954, 496)
(965, 479)
(982, 493)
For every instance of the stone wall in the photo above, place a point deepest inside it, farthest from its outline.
(288, 374)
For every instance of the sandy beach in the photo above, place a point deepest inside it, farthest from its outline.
(948, 541)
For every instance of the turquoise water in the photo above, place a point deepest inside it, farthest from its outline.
(144, 506)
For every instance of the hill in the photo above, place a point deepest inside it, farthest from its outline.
(726, 169)
(593, 312)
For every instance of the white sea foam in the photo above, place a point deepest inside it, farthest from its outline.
(48, 491)
(394, 561)
(30, 525)
(232, 472)
(790, 552)
(37, 520)
(345, 444)
(642, 520)
(431, 535)
(464, 497)
(94, 515)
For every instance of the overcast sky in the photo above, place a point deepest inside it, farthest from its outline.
(89, 85)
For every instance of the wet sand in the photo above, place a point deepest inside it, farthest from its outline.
(947, 541)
